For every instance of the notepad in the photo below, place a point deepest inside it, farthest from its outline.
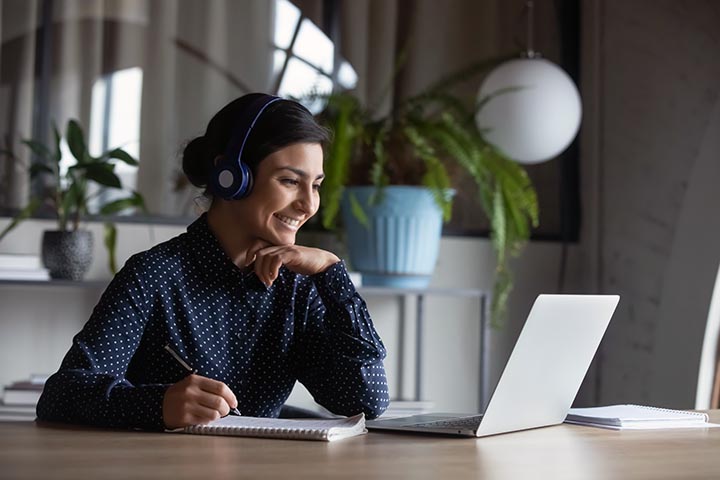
(327, 430)
(636, 417)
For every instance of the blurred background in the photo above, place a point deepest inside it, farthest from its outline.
(628, 208)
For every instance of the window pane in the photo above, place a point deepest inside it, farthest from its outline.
(347, 77)
(278, 61)
(314, 46)
(115, 112)
(125, 104)
(287, 16)
(301, 79)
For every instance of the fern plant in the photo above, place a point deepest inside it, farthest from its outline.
(429, 139)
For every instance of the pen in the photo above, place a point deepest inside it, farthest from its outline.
(191, 370)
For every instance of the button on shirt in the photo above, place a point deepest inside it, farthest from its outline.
(227, 325)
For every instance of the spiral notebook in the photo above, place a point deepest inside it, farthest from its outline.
(327, 430)
(637, 417)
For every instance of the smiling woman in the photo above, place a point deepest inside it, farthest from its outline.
(235, 296)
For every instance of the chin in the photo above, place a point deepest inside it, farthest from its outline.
(283, 239)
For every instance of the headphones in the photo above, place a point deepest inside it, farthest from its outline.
(231, 178)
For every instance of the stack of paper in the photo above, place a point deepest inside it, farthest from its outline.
(636, 417)
(20, 398)
(21, 267)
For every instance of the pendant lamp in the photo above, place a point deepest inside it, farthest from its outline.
(531, 108)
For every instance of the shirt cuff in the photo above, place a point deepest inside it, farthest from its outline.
(140, 406)
(334, 284)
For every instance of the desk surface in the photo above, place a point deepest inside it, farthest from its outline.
(35, 451)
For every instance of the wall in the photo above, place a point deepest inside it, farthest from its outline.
(37, 323)
(655, 83)
(650, 233)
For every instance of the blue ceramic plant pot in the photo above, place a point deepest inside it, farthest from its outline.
(399, 247)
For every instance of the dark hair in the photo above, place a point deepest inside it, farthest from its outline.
(283, 123)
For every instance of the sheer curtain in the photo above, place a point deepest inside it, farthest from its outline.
(148, 74)
(17, 24)
(190, 57)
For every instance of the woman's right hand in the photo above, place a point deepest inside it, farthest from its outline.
(195, 400)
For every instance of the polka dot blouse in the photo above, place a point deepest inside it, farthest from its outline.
(225, 323)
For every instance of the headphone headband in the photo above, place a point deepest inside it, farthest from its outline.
(232, 178)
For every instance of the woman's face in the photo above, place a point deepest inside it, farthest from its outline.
(285, 194)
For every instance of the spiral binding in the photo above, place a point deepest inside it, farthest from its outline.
(669, 410)
(270, 432)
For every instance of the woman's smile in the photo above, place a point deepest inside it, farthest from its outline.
(290, 222)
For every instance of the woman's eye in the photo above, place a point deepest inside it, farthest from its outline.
(316, 186)
(289, 181)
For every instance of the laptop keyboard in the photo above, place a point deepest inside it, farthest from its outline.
(464, 422)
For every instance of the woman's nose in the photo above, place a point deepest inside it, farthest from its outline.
(307, 201)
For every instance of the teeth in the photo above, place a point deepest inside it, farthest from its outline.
(290, 221)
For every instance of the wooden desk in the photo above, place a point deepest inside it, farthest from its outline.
(32, 451)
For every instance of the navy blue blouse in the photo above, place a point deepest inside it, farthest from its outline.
(225, 323)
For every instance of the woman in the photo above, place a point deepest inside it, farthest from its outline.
(233, 297)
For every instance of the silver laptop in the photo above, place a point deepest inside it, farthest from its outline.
(542, 376)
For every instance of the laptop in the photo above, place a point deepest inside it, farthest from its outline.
(542, 376)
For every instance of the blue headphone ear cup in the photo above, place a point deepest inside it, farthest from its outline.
(225, 179)
(232, 181)
(246, 181)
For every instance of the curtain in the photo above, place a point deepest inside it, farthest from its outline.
(194, 56)
(17, 23)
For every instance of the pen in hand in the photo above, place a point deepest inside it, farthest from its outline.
(191, 370)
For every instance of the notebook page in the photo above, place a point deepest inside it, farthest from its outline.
(233, 421)
(310, 429)
(636, 417)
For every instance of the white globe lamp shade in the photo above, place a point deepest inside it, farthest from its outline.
(534, 112)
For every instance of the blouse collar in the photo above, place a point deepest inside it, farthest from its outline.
(215, 262)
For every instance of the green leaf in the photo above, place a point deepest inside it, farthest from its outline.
(39, 149)
(38, 168)
(72, 202)
(122, 155)
(502, 288)
(76, 142)
(134, 201)
(358, 211)
(58, 141)
(101, 173)
(110, 244)
(337, 163)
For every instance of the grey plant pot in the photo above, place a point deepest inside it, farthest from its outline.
(67, 255)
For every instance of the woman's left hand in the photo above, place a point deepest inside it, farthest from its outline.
(304, 260)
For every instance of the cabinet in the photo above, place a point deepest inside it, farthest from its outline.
(416, 296)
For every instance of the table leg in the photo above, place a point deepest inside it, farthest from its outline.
(418, 347)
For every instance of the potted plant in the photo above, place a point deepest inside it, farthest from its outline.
(421, 146)
(67, 251)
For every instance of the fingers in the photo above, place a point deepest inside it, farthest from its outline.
(196, 399)
(267, 264)
(217, 394)
(254, 249)
(304, 260)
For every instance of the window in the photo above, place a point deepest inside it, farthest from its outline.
(305, 58)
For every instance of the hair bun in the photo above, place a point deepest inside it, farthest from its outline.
(195, 163)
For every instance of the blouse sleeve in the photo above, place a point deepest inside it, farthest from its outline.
(90, 387)
(342, 354)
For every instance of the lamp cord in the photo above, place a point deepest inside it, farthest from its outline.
(530, 50)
